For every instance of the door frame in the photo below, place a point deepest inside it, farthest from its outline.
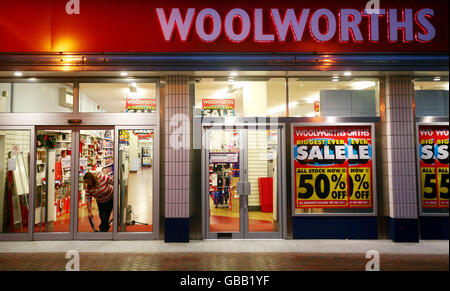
(243, 162)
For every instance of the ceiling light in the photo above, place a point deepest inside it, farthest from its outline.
(437, 79)
(233, 74)
(32, 79)
(335, 79)
(18, 74)
(347, 74)
(124, 74)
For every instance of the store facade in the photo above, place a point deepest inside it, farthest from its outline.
(225, 120)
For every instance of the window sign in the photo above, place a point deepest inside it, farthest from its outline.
(333, 166)
(433, 166)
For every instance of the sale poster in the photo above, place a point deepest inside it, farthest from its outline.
(218, 107)
(333, 166)
(141, 105)
(434, 166)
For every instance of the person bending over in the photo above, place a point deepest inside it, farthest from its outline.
(100, 187)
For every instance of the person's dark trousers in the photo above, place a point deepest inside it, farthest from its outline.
(105, 210)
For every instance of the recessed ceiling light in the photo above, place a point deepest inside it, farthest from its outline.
(347, 73)
(437, 79)
(335, 79)
(124, 74)
(32, 79)
(233, 74)
(18, 74)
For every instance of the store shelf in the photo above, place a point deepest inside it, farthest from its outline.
(109, 165)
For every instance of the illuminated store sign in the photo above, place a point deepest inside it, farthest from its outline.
(414, 25)
(228, 26)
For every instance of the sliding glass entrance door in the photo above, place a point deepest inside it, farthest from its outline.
(96, 183)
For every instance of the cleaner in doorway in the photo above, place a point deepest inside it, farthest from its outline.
(100, 187)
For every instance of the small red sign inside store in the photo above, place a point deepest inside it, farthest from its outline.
(229, 26)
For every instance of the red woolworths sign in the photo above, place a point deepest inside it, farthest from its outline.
(226, 26)
(333, 167)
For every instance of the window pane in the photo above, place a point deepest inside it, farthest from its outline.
(5, 97)
(240, 97)
(14, 180)
(136, 180)
(325, 96)
(42, 97)
(431, 97)
(118, 97)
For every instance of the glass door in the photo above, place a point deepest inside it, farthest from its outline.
(263, 169)
(243, 191)
(137, 166)
(96, 183)
(54, 179)
(223, 160)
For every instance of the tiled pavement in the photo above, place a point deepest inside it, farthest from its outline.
(226, 255)
(221, 262)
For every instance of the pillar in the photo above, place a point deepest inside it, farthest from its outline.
(177, 139)
(398, 158)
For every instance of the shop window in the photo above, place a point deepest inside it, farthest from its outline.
(14, 180)
(42, 97)
(431, 97)
(240, 97)
(333, 96)
(118, 97)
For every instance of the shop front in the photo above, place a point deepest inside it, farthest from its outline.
(225, 120)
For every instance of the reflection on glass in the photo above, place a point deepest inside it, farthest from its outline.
(223, 179)
(53, 180)
(262, 174)
(136, 180)
(96, 189)
(14, 180)
(128, 97)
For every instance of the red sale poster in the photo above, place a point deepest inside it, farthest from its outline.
(434, 166)
(333, 166)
